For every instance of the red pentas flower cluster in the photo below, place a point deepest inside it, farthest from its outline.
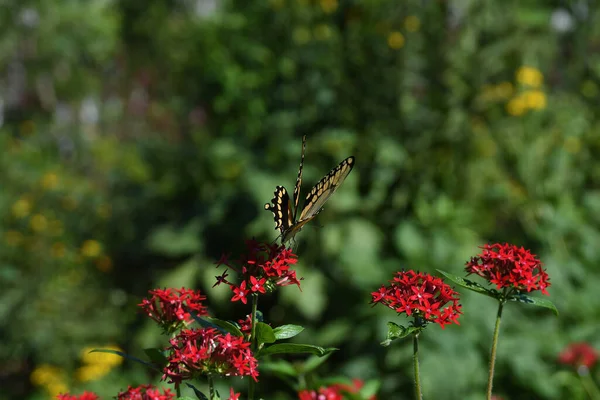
(145, 392)
(421, 295)
(167, 307)
(508, 266)
(84, 396)
(578, 355)
(246, 326)
(195, 352)
(333, 392)
(262, 269)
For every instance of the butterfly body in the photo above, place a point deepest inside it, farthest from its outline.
(285, 214)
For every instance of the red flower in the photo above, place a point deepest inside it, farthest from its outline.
(508, 266)
(166, 306)
(84, 396)
(578, 354)
(195, 352)
(233, 395)
(421, 295)
(322, 394)
(333, 392)
(262, 269)
(145, 392)
(246, 326)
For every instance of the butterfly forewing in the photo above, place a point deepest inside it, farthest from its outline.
(324, 189)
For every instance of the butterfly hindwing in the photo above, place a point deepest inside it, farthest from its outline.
(281, 207)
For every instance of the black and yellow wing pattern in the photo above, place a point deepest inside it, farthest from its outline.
(287, 220)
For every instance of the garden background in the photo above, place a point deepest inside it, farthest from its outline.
(140, 140)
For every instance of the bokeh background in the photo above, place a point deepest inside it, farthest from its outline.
(140, 140)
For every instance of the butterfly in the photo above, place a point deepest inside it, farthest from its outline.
(287, 219)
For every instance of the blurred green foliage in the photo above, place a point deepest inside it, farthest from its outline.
(140, 140)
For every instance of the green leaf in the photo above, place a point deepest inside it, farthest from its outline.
(287, 331)
(225, 325)
(294, 348)
(264, 333)
(204, 321)
(370, 388)
(473, 286)
(396, 331)
(126, 356)
(536, 301)
(156, 356)
(314, 362)
(219, 324)
(279, 367)
(197, 392)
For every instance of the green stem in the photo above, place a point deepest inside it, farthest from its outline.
(211, 388)
(494, 348)
(418, 393)
(251, 383)
(588, 383)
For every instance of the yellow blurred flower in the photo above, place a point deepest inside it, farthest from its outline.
(21, 208)
(38, 223)
(516, 106)
(412, 23)
(49, 181)
(301, 35)
(91, 248)
(572, 145)
(98, 358)
(329, 6)
(46, 374)
(530, 76)
(58, 250)
(55, 227)
(535, 99)
(57, 387)
(395, 40)
(13, 238)
(88, 373)
(104, 263)
(322, 32)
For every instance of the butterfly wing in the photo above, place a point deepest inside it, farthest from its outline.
(281, 207)
(299, 180)
(323, 190)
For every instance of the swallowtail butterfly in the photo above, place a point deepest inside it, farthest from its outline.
(287, 220)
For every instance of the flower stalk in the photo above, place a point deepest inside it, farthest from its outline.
(494, 349)
(211, 387)
(418, 394)
(253, 345)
